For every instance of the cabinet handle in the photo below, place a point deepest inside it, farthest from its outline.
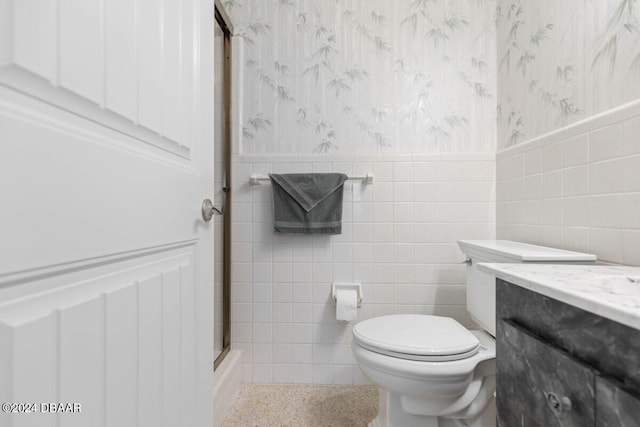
(558, 405)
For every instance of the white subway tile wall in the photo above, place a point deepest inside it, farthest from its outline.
(399, 240)
(578, 188)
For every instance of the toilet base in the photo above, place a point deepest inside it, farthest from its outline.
(390, 414)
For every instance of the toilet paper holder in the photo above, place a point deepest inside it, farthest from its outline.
(335, 287)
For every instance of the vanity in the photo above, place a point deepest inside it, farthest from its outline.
(568, 345)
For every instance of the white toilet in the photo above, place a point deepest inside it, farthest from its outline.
(431, 370)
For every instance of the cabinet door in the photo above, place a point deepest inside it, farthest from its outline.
(615, 407)
(539, 385)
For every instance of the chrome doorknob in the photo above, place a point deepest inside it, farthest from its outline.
(208, 210)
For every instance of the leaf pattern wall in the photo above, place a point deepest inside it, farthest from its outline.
(367, 76)
(563, 61)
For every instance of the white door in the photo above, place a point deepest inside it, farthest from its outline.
(106, 153)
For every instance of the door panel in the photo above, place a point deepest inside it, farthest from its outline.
(79, 350)
(150, 89)
(80, 48)
(132, 66)
(107, 343)
(121, 361)
(34, 41)
(113, 201)
(172, 62)
(121, 95)
(106, 153)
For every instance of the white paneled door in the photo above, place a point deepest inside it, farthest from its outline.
(106, 265)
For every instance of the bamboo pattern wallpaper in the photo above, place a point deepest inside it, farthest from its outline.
(367, 76)
(563, 61)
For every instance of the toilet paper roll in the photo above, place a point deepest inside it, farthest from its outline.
(346, 304)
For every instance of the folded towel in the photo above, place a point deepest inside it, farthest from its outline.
(308, 203)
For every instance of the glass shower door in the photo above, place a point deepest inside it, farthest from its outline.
(222, 223)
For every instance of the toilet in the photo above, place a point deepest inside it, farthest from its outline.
(431, 370)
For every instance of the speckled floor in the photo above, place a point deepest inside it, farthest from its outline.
(297, 405)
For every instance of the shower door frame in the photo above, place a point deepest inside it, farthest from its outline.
(223, 20)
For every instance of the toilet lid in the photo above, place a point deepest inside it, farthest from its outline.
(416, 337)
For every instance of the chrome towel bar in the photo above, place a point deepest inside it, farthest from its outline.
(256, 179)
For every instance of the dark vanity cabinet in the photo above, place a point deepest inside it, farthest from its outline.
(562, 366)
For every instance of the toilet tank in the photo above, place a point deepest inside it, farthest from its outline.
(481, 286)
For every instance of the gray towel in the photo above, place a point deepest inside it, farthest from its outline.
(308, 203)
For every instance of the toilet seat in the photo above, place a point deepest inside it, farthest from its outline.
(416, 337)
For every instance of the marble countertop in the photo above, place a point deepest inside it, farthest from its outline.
(609, 291)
